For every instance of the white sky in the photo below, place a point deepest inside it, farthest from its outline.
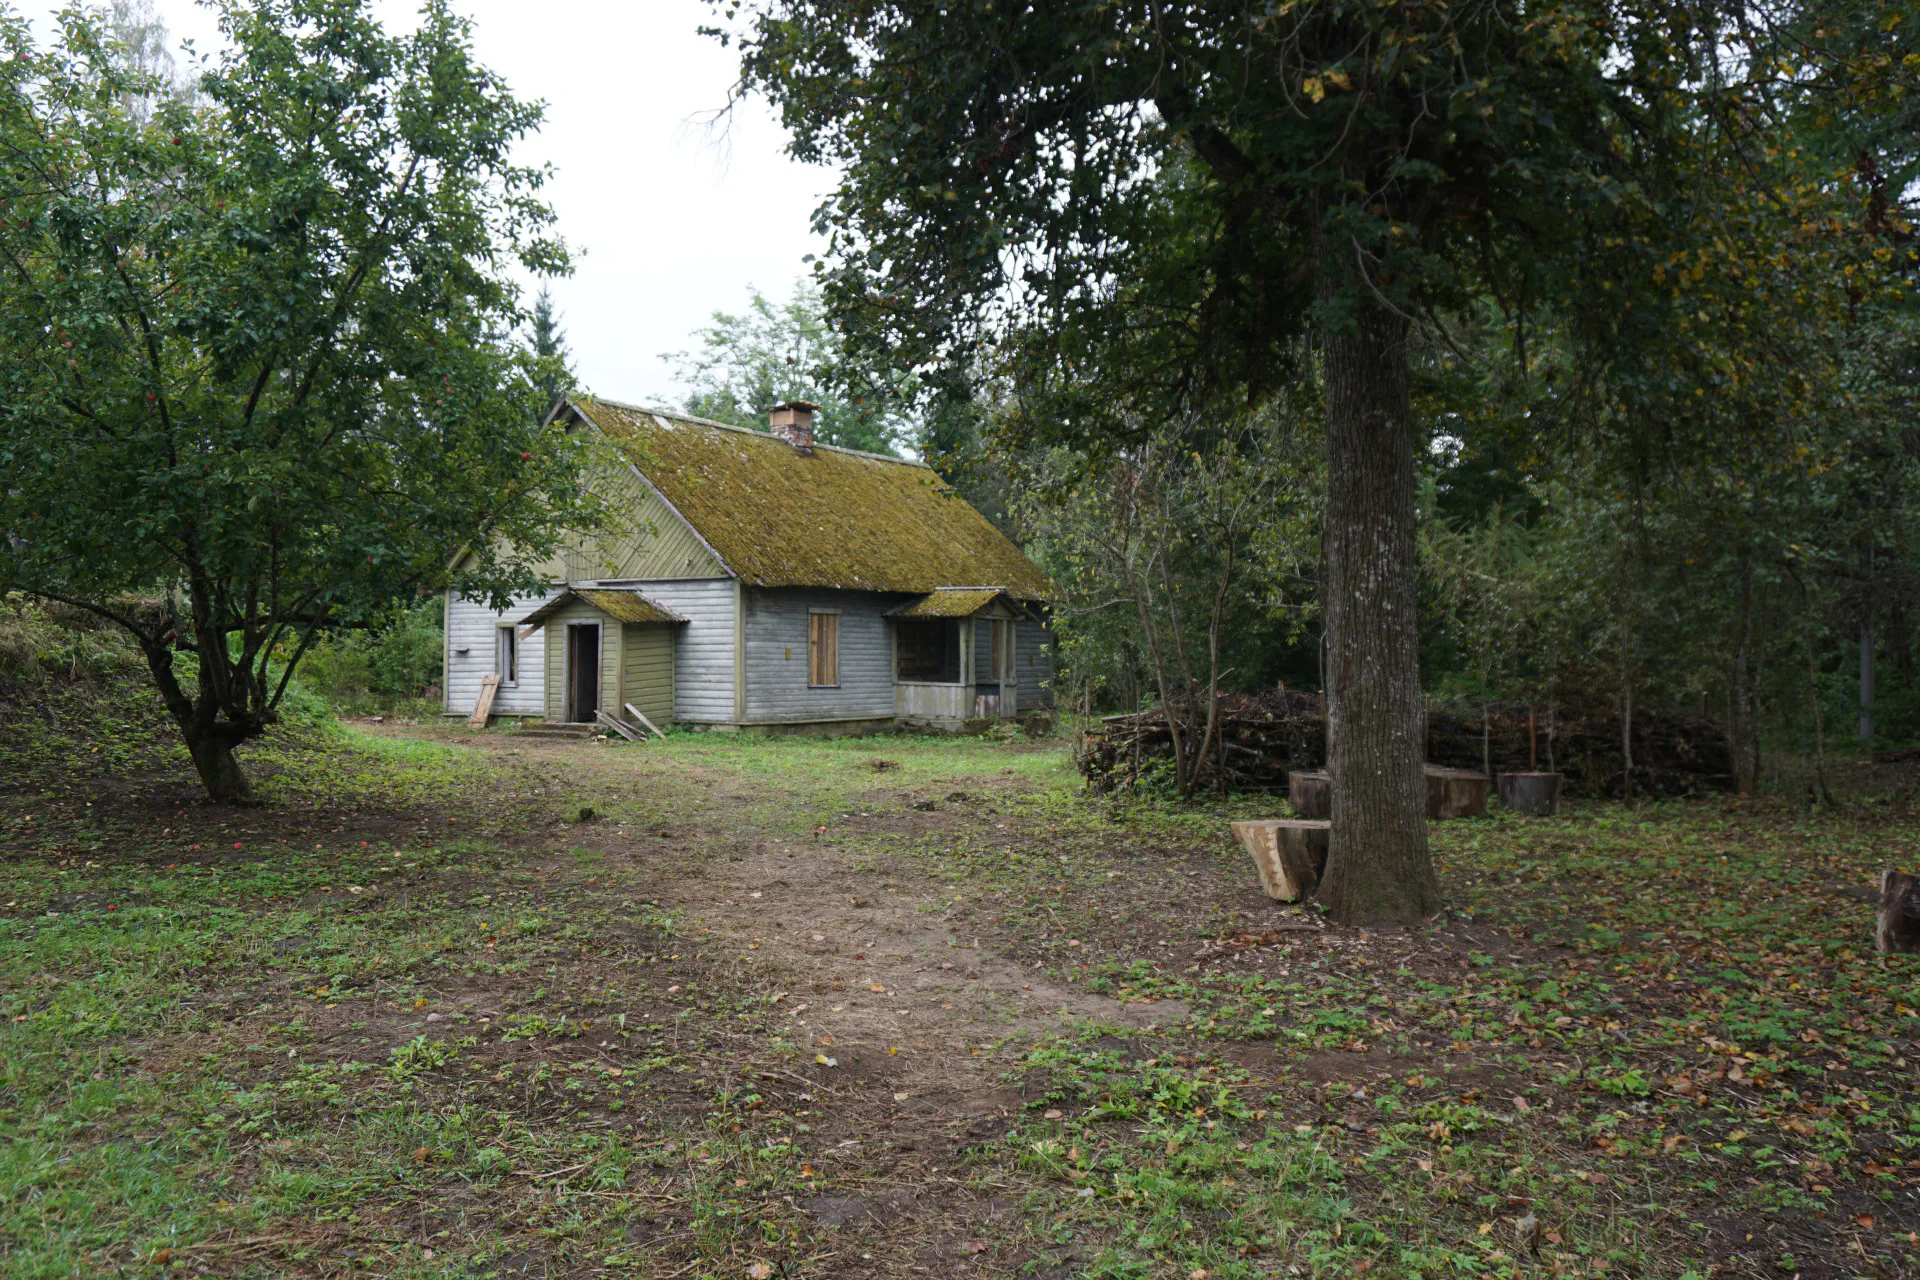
(668, 225)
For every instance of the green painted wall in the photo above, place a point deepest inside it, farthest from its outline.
(648, 670)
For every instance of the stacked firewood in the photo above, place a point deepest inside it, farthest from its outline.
(1263, 737)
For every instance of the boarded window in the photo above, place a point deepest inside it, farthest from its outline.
(506, 655)
(823, 649)
(929, 650)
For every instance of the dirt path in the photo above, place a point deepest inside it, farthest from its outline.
(860, 945)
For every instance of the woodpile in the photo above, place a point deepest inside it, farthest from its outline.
(1265, 737)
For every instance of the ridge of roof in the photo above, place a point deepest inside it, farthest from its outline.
(695, 420)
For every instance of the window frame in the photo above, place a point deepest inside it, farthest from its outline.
(954, 650)
(506, 654)
(821, 621)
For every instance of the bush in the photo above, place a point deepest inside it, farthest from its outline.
(395, 663)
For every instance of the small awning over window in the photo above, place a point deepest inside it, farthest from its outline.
(621, 606)
(956, 602)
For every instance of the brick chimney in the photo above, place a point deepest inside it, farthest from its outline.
(793, 422)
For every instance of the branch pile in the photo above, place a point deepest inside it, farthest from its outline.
(1264, 736)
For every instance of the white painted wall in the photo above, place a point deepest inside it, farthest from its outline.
(472, 626)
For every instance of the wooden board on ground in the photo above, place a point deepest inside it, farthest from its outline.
(1899, 926)
(639, 715)
(620, 727)
(1289, 853)
(1536, 794)
(489, 685)
(1456, 793)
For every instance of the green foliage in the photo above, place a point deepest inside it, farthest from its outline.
(776, 352)
(256, 381)
(1178, 557)
(397, 660)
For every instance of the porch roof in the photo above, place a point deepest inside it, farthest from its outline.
(952, 602)
(621, 606)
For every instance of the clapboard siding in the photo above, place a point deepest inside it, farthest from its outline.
(983, 672)
(703, 647)
(1033, 662)
(472, 626)
(777, 688)
(556, 629)
(647, 670)
(647, 539)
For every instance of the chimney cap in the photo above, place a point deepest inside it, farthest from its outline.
(800, 406)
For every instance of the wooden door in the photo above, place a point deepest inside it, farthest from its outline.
(583, 671)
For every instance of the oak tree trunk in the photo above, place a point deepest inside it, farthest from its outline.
(1378, 869)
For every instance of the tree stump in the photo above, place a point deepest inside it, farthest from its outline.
(1537, 794)
(1290, 854)
(1899, 931)
(1311, 791)
(1456, 793)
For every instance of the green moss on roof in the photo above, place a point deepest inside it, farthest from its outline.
(961, 602)
(621, 606)
(832, 518)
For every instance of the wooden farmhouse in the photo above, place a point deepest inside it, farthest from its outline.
(762, 582)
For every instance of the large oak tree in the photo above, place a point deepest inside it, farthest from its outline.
(1131, 203)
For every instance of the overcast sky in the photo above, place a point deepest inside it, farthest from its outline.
(669, 225)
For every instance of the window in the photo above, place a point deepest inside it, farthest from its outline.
(823, 649)
(929, 650)
(506, 654)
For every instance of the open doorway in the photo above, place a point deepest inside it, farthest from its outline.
(583, 671)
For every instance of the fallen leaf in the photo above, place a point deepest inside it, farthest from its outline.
(760, 1270)
(825, 1061)
(876, 987)
(1863, 1220)
(975, 1246)
(1053, 1115)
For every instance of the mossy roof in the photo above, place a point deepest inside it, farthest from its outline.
(951, 602)
(621, 606)
(778, 517)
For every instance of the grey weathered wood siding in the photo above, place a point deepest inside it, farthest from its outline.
(474, 627)
(703, 647)
(776, 656)
(983, 672)
(556, 632)
(647, 670)
(1033, 662)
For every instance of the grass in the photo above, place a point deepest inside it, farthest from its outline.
(778, 1010)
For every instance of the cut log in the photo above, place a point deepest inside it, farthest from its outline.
(1290, 854)
(1899, 931)
(1537, 794)
(637, 714)
(1896, 757)
(489, 685)
(1311, 792)
(1456, 793)
(620, 727)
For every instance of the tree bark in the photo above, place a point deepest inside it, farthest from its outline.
(1378, 868)
(1746, 770)
(210, 741)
